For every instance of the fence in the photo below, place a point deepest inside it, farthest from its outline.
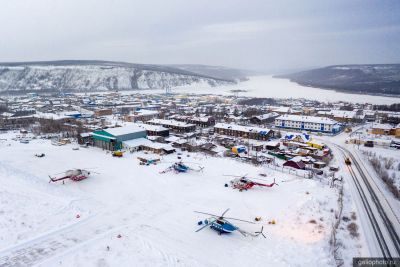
(298, 173)
(333, 241)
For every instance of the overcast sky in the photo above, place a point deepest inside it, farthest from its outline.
(252, 34)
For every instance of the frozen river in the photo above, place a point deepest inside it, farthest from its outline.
(267, 86)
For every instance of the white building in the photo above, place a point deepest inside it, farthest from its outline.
(307, 123)
(173, 125)
(255, 133)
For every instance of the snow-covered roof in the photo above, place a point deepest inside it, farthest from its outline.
(280, 109)
(369, 112)
(272, 143)
(145, 142)
(171, 123)
(312, 119)
(6, 114)
(242, 128)
(144, 112)
(128, 129)
(150, 127)
(267, 116)
(172, 138)
(72, 113)
(339, 113)
(193, 118)
(382, 126)
(85, 134)
(49, 116)
(136, 142)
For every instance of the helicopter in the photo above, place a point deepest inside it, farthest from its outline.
(179, 167)
(222, 225)
(73, 174)
(243, 183)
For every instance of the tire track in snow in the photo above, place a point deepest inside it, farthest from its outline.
(172, 257)
(61, 241)
(50, 244)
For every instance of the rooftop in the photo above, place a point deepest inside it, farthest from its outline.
(307, 119)
(171, 122)
(128, 129)
(241, 128)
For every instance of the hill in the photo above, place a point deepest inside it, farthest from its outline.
(370, 79)
(89, 75)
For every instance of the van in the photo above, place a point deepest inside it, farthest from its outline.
(369, 143)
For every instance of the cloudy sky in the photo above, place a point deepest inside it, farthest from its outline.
(252, 34)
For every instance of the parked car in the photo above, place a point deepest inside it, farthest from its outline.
(369, 143)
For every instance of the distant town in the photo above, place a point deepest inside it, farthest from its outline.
(112, 120)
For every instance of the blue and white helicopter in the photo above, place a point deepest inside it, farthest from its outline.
(180, 167)
(222, 225)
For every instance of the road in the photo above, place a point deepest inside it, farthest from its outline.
(381, 218)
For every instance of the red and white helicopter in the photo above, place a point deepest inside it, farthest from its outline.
(74, 175)
(243, 183)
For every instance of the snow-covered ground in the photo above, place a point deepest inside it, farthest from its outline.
(388, 157)
(153, 212)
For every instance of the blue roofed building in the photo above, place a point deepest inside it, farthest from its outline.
(113, 138)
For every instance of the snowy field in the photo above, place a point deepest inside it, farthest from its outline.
(389, 159)
(153, 212)
(267, 86)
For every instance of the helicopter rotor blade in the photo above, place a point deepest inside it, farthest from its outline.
(207, 214)
(232, 175)
(261, 232)
(238, 220)
(263, 235)
(59, 173)
(201, 228)
(240, 176)
(190, 162)
(224, 212)
(265, 180)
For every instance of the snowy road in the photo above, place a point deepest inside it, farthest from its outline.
(382, 219)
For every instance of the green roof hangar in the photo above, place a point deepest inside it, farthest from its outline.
(112, 138)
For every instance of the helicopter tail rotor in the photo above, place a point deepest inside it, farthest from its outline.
(260, 232)
(51, 179)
